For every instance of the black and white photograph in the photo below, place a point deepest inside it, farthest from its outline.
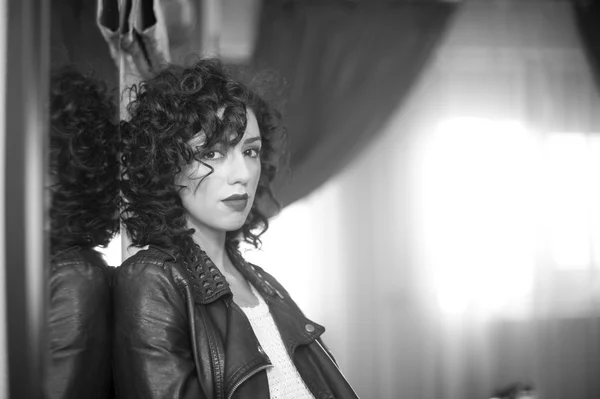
(299, 199)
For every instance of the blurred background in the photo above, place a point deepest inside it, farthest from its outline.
(442, 214)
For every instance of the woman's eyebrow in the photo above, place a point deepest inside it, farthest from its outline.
(252, 140)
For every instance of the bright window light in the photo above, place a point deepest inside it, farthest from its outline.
(479, 197)
(493, 198)
(572, 187)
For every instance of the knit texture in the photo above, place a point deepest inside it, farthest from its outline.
(284, 380)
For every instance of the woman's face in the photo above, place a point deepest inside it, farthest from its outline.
(222, 200)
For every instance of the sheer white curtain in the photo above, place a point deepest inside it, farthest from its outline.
(460, 252)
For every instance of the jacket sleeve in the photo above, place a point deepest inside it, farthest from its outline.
(153, 355)
(78, 332)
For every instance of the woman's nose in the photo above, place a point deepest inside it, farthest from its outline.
(238, 171)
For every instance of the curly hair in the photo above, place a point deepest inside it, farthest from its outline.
(167, 111)
(83, 159)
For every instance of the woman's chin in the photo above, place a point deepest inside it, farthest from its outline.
(233, 225)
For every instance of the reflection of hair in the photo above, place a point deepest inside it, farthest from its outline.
(83, 162)
(167, 112)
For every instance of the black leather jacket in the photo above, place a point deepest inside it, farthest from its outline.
(178, 334)
(79, 326)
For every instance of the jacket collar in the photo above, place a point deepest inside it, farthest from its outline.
(209, 284)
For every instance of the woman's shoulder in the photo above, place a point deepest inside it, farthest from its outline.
(78, 256)
(270, 279)
(80, 266)
(79, 284)
(150, 255)
(147, 291)
(149, 266)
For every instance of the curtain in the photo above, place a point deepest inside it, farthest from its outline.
(76, 40)
(587, 14)
(458, 253)
(347, 65)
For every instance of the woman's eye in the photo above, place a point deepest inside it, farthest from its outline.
(212, 155)
(252, 152)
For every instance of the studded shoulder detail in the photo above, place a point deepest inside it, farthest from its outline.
(207, 282)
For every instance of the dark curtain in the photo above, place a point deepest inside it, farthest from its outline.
(76, 40)
(348, 66)
(587, 16)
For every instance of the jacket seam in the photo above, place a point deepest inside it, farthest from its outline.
(74, 262)
(74, 259)
(149, 256)
(144, 261)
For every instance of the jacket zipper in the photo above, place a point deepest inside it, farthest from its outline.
(336, 366)
(240, 382)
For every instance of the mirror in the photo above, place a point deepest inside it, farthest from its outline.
(81, 196)
(98, 49)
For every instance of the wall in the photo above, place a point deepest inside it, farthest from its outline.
(3, 359)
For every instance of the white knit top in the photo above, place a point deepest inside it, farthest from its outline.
(284, 380)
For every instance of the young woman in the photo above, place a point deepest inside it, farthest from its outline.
(193, 319)
(83, 195)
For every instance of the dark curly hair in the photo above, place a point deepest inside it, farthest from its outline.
(166, 112)
(83, 159)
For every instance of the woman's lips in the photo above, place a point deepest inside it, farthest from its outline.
(237, 197)
(237, 203)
